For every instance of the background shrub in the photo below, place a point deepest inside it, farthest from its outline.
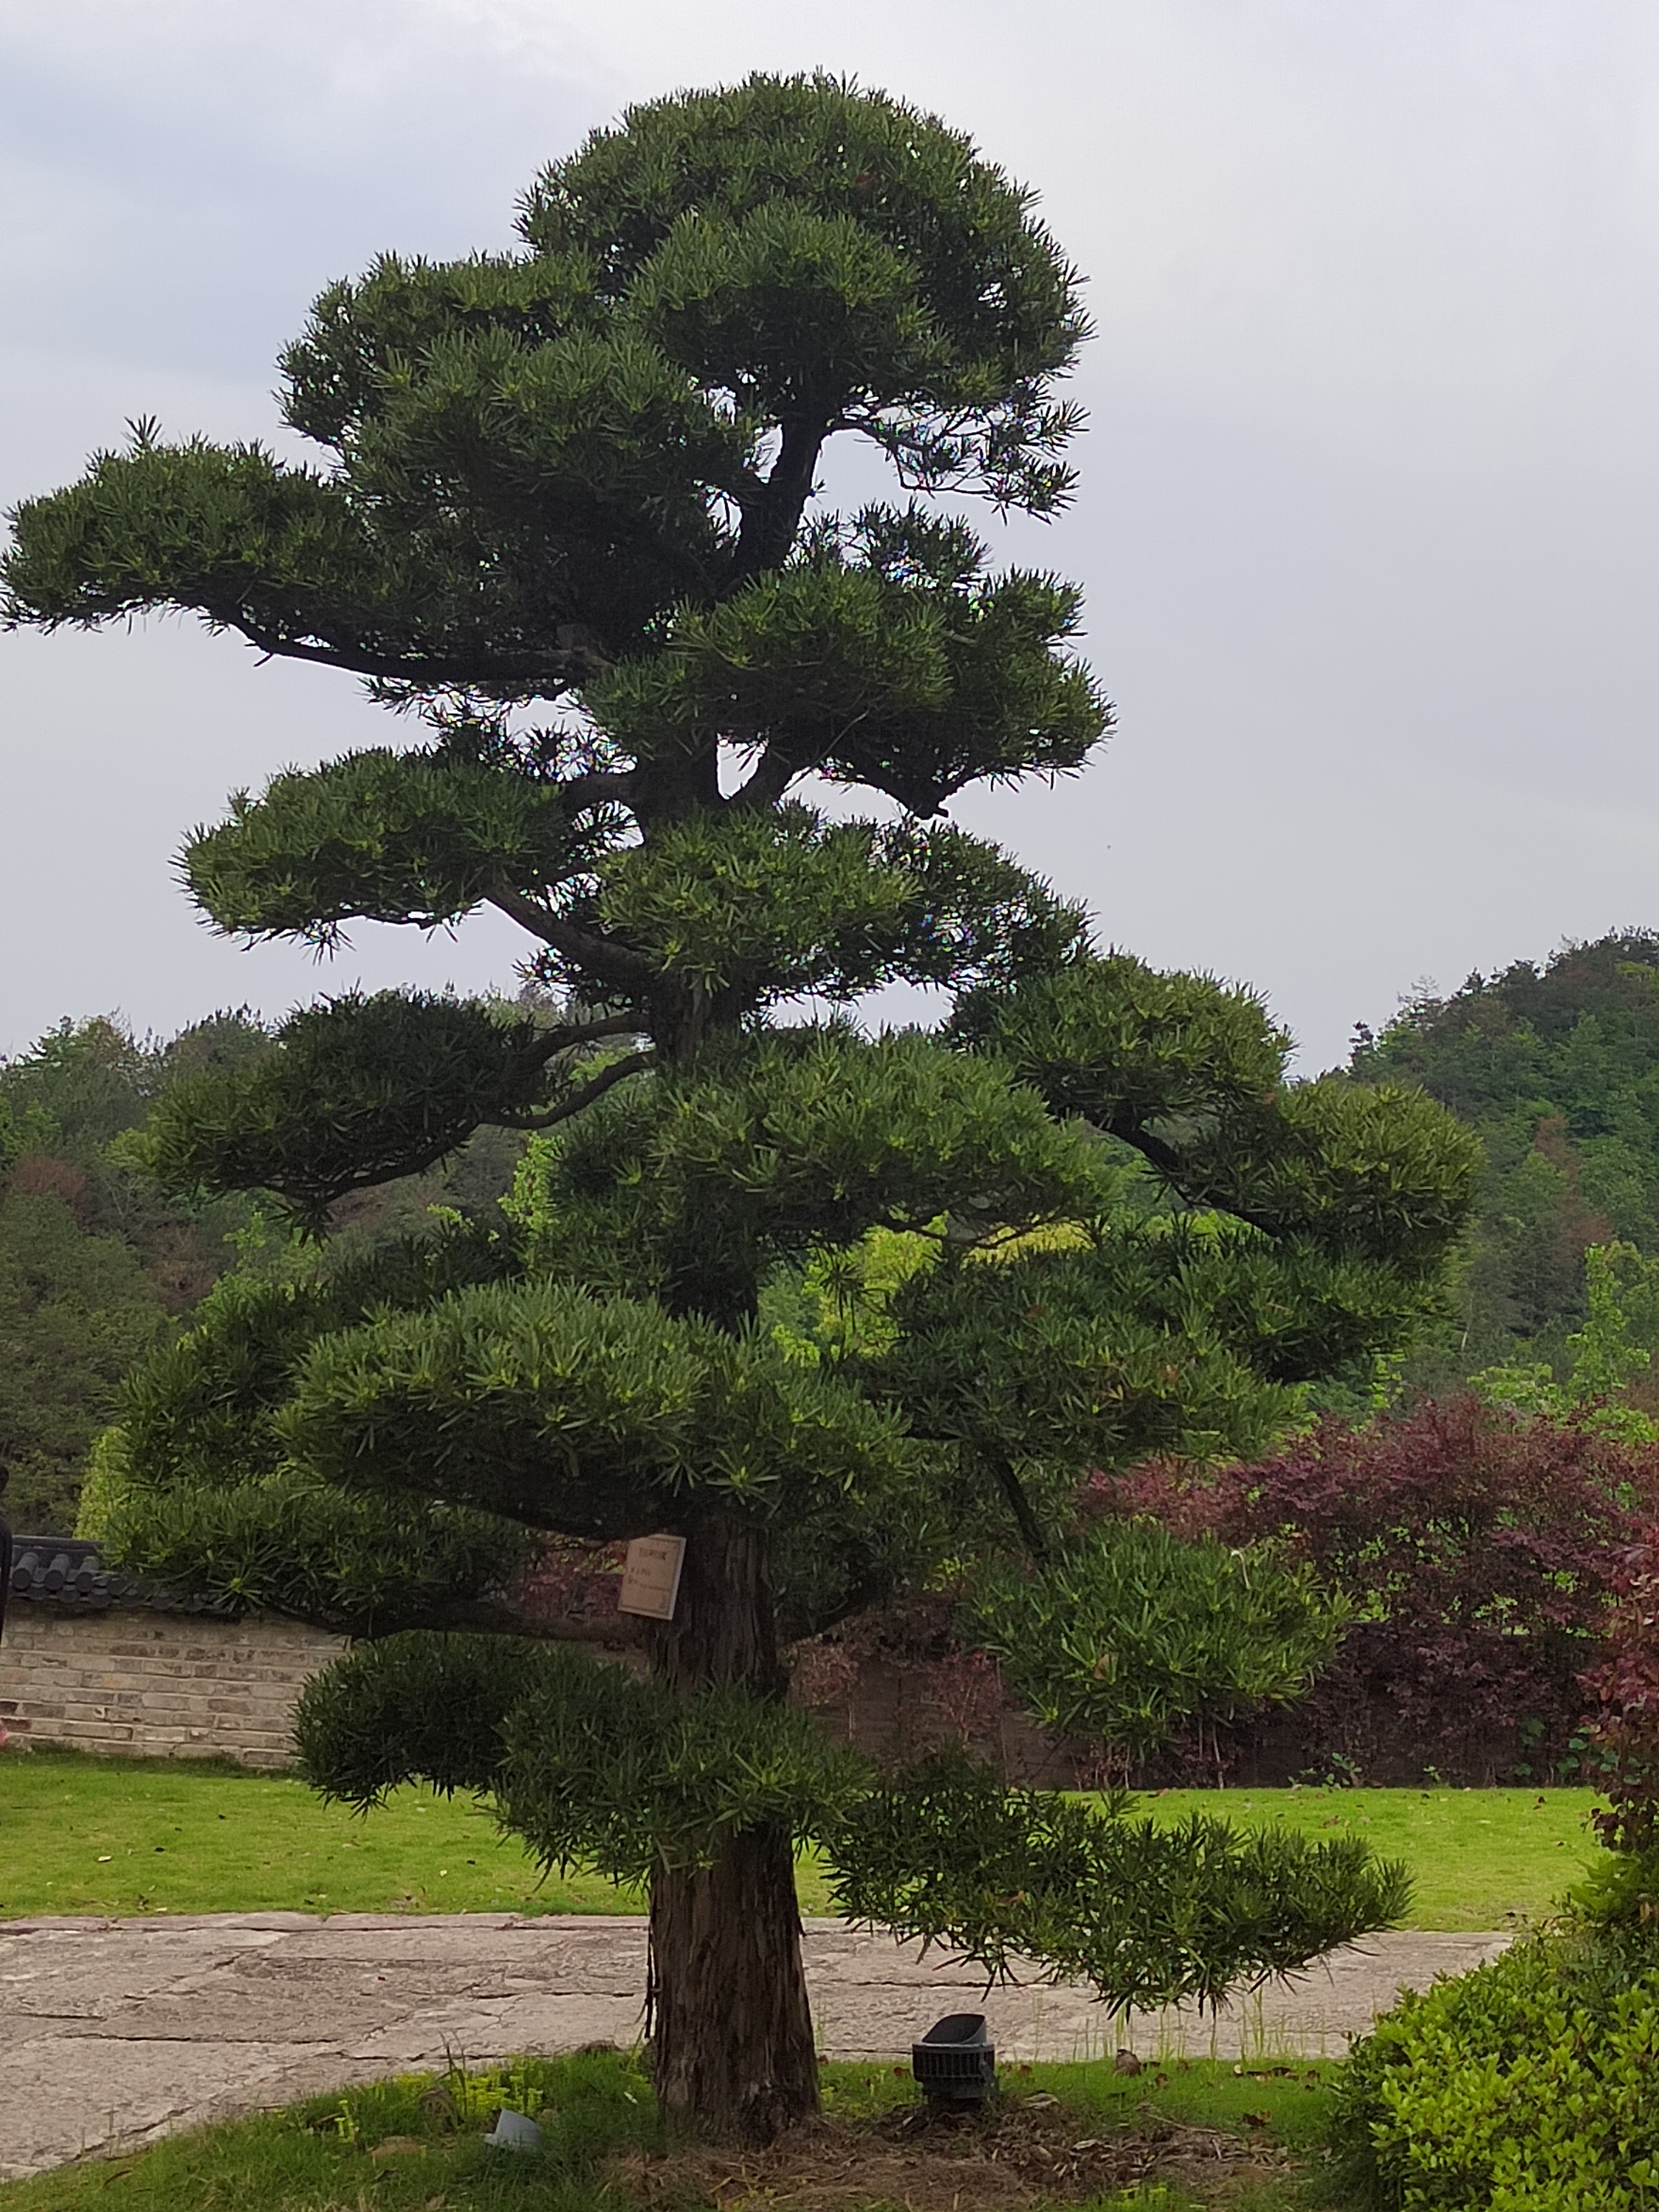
(1479, 1550)
(1624, 1681)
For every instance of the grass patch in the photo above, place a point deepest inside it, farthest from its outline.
(120, 1836)
(1071, 2135)
(1478, 1858)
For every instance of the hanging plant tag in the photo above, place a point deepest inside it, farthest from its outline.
(651, 1576)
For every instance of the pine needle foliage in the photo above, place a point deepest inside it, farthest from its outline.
(565, 509)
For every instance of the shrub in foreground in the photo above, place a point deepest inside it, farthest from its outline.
(1527, 2086)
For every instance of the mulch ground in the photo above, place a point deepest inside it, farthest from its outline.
(1015, 2155)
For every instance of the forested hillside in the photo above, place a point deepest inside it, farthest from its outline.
(96, 1264)
(1558, 1068)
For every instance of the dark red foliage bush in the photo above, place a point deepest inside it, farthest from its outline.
(1480, 1550)
(1622, 1758)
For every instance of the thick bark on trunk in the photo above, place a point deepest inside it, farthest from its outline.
(735, 2060)
(734, 2055)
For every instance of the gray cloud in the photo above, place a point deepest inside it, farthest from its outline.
(1365, 522)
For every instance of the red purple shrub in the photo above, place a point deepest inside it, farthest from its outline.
(1623, 1750)
(1480, 1550)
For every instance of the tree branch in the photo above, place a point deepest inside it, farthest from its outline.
(1019, 1505)
(519, 906)
(599, 787)
(603, 1628)
(770, 521)
(547, 1116)
(615, 961)
(772, 777)
(548, 678)
(498, 1619)
(564, 1040)
(1180, 1175)
(1164, 1157)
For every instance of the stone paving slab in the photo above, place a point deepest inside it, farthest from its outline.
(115, 2032)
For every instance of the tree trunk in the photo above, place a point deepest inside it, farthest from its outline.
(735, 2060)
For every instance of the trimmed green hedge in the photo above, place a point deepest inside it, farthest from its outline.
(1530, 2085)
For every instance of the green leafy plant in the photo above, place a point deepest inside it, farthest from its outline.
(1122, 1638)
(1526, 2085)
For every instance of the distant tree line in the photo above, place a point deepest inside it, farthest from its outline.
(98, 1264)
(1558, 1069)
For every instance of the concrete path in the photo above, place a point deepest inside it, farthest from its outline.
(115, 2032)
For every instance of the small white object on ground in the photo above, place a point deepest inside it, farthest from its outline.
(514, 2131)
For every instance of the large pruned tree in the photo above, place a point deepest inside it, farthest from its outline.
(568, 510)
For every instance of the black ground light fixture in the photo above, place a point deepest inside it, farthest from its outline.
(955, 2062)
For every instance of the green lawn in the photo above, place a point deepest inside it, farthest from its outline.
(414, 2144)
(124, 1836)
(80, 1835)
(1478, 1858)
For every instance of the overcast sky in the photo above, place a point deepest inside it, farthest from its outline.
(1368, 521)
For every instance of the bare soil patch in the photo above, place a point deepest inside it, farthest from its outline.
(1018, 2153)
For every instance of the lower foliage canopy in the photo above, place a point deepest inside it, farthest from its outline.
(596, 1768)
(377, 1444)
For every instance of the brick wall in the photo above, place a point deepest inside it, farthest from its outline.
(895, 1711)
(157, 1684)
